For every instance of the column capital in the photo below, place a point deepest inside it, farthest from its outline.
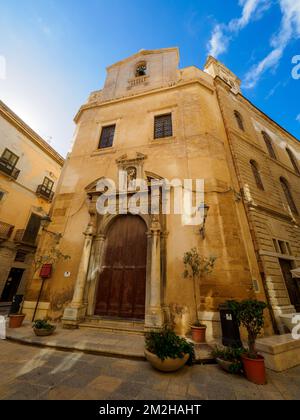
(90, 230)
(155, 226)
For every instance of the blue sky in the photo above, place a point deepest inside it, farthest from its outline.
(56, 51)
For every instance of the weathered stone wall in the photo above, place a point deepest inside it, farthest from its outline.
(268, 211)
(197, 149)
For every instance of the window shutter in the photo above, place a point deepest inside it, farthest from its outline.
(239, 120)
(163, 126)
(293, 161)
(288, 195)
(269, 145)
(256, 175)
(107, 137)
(32, 229)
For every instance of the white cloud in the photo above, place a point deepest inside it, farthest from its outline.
(222, 34)
(273, 90)
(298, 118)
(289, 29)
(218, 43)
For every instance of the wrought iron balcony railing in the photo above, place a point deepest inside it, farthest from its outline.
(22, 237)
(45, 192)
(5, 230)
(8, 169)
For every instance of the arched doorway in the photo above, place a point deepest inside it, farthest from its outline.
(122, 282)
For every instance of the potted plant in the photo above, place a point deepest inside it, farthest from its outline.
(16, 317)
(43, 328)
(166, 351)
(195, 267)
(250, 314)
(229, 358)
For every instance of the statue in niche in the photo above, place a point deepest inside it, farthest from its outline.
(131, 177)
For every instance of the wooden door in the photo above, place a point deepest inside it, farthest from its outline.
(122, 283)
(291, 283)
(12, 284)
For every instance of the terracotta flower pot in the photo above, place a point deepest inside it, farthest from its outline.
(167, 365)
(255, 370)
(43, 332)
(198, 334)
(16, 320)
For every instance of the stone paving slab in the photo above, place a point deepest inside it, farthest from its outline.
(85, 340)
(33, 373)
(92, 340)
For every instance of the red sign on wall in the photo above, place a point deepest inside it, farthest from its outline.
(46, 271)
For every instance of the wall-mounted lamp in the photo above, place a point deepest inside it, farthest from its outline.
(45, 221)
(205, 208)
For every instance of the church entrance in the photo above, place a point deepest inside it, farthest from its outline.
(122, 283)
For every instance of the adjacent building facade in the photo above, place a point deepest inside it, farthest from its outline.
(154, 121)
(29, 173)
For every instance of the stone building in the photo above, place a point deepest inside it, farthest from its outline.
(265, 161)
(154, 121)
(29, 173)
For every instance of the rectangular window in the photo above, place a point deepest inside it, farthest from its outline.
(282, 246)
(288, 248)
(275, 243)
(163, 126)
(107, 136)
(10, 158)
(48, 184)
(20, 256)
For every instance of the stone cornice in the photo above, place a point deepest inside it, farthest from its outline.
(267, 210)
(178, 85)
(20, 125)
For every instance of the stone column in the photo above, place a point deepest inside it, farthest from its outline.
(76, 311)
(154, 313)
(94, 273)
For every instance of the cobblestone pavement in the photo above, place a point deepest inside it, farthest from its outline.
(34, 373)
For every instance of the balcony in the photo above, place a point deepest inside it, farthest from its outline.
(5, 231)
(8, 169)
(45, 192)
(22, 237)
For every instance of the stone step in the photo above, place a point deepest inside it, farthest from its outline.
(120, 326)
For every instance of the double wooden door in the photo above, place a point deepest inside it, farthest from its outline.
(122, 283)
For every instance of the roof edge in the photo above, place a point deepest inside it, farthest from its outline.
(30, 133)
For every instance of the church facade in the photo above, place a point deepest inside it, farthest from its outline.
(153, 122)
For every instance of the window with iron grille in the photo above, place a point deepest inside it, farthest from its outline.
(10, 158)
(48, 184)
(256, 175)
(20, 256)
(163, 126)
(293, 160)
(269, 144)
(107, 136)
(288, 195)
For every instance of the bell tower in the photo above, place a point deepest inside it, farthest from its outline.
(215, 68)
